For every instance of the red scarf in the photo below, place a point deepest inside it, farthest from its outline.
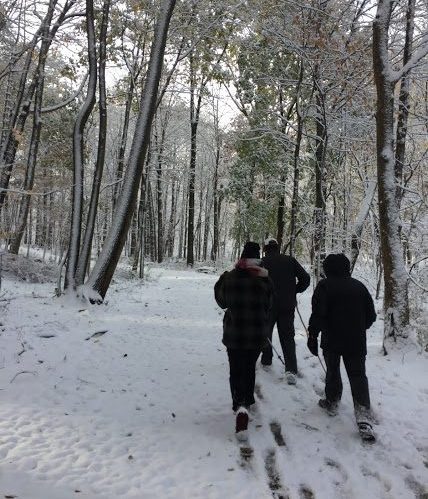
(252, 265)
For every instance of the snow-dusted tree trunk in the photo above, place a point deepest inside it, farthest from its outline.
(296, 168)
(321, 138)
(396, 306)
(195, 108)
(102, 273)
(404, 102)
(79, 128)
(159, 196)
(359, 222)
(216, 196)
(85, 253)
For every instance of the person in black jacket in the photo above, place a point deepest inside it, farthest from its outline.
(342, 310)
(284, 270)
(246, 292)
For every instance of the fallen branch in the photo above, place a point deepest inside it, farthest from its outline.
(34, 373)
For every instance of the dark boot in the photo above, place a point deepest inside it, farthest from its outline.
(241, 420)
(330, 407)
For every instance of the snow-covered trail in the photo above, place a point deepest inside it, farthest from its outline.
(143, 410)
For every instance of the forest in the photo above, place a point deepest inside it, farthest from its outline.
(174, 131)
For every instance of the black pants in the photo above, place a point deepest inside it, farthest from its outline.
(355, 366)
(242, 364)
(284, 320)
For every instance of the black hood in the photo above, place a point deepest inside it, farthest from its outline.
(251, 250)
(337, 266)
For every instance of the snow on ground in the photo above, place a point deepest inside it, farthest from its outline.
(130, 399)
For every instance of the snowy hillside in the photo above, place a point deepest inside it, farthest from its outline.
(131, 399)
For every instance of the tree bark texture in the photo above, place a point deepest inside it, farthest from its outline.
(396, 306)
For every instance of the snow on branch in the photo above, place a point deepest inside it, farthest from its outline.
(414, 60)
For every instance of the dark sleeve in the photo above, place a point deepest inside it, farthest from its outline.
(219, 291)
(318, 317)
(370, 310)
(303, 278)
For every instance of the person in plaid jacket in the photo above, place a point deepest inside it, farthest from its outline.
(246, 293)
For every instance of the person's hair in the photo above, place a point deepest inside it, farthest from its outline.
(337, 265)
(251, 250)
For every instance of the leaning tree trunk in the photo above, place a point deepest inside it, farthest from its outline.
(79, 128)
(102, 273)
(396, 306)
(85, 253)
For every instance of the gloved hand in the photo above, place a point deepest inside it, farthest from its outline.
(313, 345)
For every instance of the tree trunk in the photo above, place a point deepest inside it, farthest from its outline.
(78, 137)
(123, 139)
(216, 205)
(159, 206)
(281, 212)
(359, 223)
(191, 194)
(296, 181)
(318, 250)
(404, 103)
(396, 307)
(84, 256)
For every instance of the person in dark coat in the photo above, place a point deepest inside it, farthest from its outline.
(246, 294)
(289, 278)
(342, 310)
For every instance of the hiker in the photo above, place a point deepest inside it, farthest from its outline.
(246, 293)
(342, 310)
(284, 270)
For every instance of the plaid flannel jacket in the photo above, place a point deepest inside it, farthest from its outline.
(248, 300)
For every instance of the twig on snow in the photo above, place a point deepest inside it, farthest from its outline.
(34, 373)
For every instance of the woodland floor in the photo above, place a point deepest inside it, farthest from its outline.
(130, 399)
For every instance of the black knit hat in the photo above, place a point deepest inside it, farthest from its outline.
(251, 250)
(337, 265)
(271, 244)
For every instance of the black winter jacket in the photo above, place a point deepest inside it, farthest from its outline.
(248, 300)
(342, 309)
(284, 270)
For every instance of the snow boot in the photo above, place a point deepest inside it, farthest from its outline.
(329, 407)
(290, 377)
(366, 432)
(241, 420)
